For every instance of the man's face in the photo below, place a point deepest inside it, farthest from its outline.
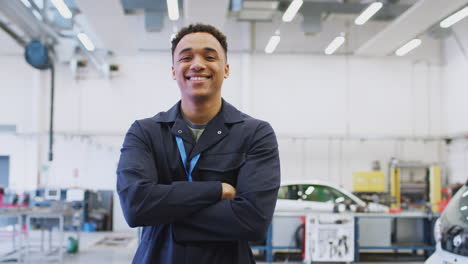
(199, 66)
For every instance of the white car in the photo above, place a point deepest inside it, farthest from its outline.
(451, 231)
(317, 196)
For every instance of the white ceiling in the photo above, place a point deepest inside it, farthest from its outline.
(124, 34)
(414, 22)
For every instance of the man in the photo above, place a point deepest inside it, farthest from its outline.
(202, 178)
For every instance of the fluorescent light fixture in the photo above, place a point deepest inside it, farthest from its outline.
(26, 3)
(292, 10)
(370, 11)
(408, 47)
(271, 46)
(334, 45)
(449, 21)
(87, 43)
(173, 9)
(62, 8)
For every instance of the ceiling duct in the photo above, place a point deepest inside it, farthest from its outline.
(155, 11)
(255, 10)
(314, 11)
(197, 11)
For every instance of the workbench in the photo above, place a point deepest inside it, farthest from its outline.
(419, 239)
(13, 219)
(395, 242)
(48, 221)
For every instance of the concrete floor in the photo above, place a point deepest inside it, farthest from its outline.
(89, 253)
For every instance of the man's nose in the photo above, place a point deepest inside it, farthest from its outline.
(197, 64)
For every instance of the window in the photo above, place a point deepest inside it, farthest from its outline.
(313, 193)
(289, 192)
(317, 193)
(340, 197)
(4, 170)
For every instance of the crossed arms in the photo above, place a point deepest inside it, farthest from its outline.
(201, 210)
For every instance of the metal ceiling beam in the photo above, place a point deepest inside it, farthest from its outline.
(415, 21)
(27, 22)
(13, 34)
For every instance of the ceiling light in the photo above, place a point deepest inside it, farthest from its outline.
(334, 45)
(87, 43)
(449, 21)
(271, 46)
(408, 47)
(62, 8)
(368, 13)
(173, 9)
(292, 10)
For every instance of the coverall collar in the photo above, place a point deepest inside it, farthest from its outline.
(229, 113)
(216, 129)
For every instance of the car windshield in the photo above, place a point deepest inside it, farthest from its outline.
(456, 212)
(313, 193)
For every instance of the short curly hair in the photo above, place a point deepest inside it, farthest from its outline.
(194, 28)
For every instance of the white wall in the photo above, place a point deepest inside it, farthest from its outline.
(18, 107)
(309, 98)
(334, 160)
(457, 161)
(456, 78)
(455, 97)
(310, 95)
(306, 99)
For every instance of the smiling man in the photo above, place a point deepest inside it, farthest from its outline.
(202, 178)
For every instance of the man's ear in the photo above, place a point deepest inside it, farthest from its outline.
(173, 73)
(226, 71)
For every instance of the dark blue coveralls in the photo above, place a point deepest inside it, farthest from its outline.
(187, 222)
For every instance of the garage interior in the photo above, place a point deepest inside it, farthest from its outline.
(368, 111)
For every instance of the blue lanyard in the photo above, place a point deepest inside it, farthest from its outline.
(183, 155)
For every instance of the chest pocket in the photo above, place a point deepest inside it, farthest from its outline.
(220, 167)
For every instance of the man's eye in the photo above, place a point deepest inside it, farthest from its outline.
(210, 58)
(185, 58)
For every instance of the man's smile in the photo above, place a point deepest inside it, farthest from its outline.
(198, 77)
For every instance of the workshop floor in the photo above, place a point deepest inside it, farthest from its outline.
(90, 252)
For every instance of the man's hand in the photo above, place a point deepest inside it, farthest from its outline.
(229, 192)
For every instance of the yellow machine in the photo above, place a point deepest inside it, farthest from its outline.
(395, 187)
(433, 182)
(435, 186)
(369, 181)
